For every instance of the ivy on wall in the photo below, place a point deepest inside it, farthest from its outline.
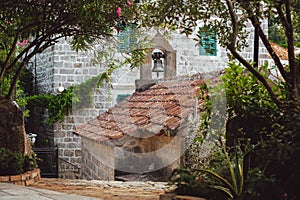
(57, 105)
(77, 96)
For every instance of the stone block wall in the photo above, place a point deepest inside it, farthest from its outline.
(247, 53)
(69, 149)
(62, 66)
(189, 61)
(70, 67)
(43, 71)
(97, 160)
(69, 145)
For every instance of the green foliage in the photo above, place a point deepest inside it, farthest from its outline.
(10, 163)
(227, 177)
(189, 183)
(273, 166)
(276, 30)
(231, 172)
(246, 96)
(22, 87)
(20, 93)
(230, 21)
(205, 115)
(30, 162)
(273, 171)
(213, 110)
(6, 82)
(82, 94)
(4, 86)
(58, 106)
(219, 16)
(265, 168)
(75, 97)
(279, 150)
(234, 185)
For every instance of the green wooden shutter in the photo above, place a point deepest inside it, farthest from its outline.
(208, 46)
(121, 97)
(124, 40)
(127, 38)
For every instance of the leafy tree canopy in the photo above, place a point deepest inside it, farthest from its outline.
(228, 19)
(28, 27)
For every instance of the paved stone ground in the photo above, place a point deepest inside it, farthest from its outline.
(106, 190)
(16, 192)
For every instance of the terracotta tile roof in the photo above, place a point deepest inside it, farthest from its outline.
(163, 107)
(280, 51)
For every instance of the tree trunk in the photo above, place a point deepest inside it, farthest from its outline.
(297, 80)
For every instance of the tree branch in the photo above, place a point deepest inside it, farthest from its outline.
(22, 65)
(290, 40)
(234, 24)
(256, 24)
(9, 56)
(286, 21)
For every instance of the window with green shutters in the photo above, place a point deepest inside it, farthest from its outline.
(208, 44)
(126, 39)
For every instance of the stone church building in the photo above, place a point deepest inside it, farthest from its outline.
(60, 66)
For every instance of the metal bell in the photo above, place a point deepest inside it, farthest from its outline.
(158, 66)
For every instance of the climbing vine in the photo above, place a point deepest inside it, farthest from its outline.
(57, 105)
(77, 96)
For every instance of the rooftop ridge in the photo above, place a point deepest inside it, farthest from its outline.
(200, 75)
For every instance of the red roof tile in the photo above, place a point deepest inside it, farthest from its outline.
(280, 51)
(164, 106)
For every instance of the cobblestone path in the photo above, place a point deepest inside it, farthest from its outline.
(106, 190)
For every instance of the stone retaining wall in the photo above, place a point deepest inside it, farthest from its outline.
(12, 132)
(25, 179)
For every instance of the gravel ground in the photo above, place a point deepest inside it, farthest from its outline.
(107, 190)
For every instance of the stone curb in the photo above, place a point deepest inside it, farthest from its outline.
(24, 179)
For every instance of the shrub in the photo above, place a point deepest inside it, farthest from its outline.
(261, 161)
(273, 130)
(245, 95)
(30, 163)
(12, 163)
(188, 182)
